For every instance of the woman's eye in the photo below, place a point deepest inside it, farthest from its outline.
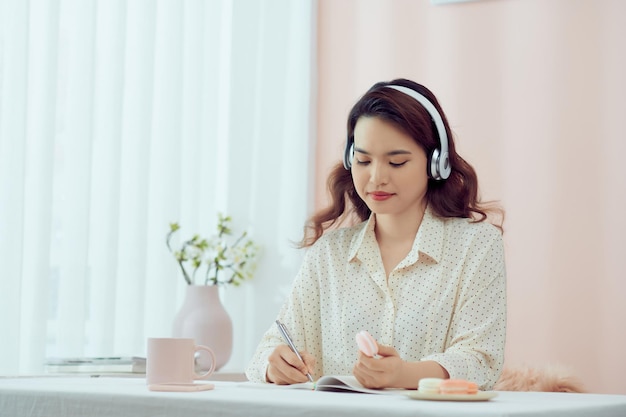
(362, 162)
(393, 164)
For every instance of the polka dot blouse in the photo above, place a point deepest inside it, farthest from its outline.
(445, 302)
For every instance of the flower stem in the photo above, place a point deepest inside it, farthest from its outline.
(182, 267)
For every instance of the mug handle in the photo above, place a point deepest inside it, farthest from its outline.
(212, 368)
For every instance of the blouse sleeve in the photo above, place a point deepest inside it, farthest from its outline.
(303, 296)
(476, 338)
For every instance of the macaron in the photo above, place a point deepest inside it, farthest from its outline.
(472, 388)
(366, 343)
(429, 385)
(458, 386)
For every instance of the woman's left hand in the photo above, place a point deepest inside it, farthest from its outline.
(382, 372)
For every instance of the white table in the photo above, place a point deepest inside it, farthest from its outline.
(120, 397)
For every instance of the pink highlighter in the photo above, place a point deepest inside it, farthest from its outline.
(367, 344)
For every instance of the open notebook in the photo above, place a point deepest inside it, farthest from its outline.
(334, 383)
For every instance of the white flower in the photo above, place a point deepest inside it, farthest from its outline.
(224, 260)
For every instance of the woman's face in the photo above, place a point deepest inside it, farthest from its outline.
(389, 168)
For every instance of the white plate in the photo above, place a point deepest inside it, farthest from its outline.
(479, 396)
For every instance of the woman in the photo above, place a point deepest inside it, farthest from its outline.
(422, 271)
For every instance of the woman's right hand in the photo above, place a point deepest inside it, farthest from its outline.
(285, 368)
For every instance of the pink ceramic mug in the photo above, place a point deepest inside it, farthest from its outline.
(171, 360)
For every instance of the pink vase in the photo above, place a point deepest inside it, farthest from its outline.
(203, 318)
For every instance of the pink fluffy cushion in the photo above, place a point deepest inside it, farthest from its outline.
(550, 379)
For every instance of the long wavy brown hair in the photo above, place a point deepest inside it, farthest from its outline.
(457, 196)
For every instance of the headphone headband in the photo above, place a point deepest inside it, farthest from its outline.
(439, 166)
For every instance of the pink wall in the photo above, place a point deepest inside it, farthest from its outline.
(536, 95)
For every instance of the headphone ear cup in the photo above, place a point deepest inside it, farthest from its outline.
(433, 165)
(439, 166)
(348, 155)
(444, 169)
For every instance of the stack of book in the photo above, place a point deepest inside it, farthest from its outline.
(97, 365)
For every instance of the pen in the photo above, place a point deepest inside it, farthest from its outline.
(285, 333)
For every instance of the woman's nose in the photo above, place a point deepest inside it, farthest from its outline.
(379, 174)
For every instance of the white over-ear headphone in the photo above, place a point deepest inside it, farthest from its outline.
(439, 165)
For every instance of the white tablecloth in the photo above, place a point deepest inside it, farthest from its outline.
(120, 397)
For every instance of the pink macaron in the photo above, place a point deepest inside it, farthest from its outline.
(367, 344)
(458, 386)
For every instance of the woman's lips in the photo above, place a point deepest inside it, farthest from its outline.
(380, 196)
